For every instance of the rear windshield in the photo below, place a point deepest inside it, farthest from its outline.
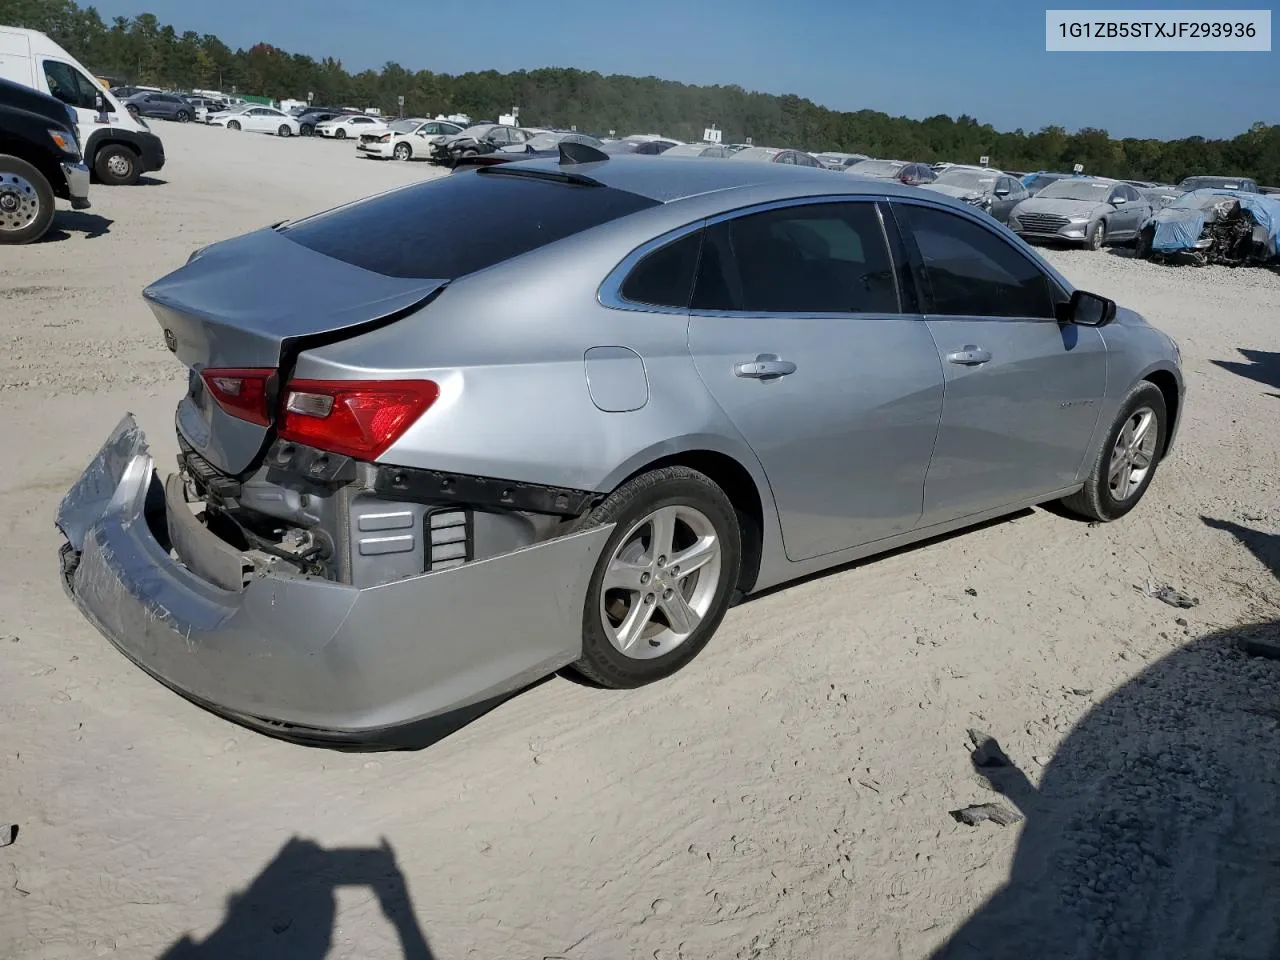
(460, 223)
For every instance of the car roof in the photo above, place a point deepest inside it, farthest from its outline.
(668, 179)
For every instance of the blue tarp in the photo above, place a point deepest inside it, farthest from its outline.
(1178, 225)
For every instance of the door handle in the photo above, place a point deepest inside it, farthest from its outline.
(970, 356)
(766, 366)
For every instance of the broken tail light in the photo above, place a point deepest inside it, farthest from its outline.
(242, 392)
(356, 418)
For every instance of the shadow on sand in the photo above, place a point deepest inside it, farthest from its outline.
(287, 912)
(1155, 830)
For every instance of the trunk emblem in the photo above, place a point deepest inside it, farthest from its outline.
(170, 340)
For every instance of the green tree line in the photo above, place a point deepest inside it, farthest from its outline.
(142, 50)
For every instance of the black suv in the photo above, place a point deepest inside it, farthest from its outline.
(39, 160)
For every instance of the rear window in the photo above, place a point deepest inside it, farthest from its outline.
(459, 224)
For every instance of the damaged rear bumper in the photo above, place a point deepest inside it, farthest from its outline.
(302, 657)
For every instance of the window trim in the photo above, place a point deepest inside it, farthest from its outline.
(609, 293)
(1058, 290)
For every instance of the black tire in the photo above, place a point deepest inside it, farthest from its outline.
(1093, 239)
(1096, 501)
(1142, 244)
(340, 134)
(21, 187)
(307, 130)
(233, 124)
(402, 151)
(182, 116)
(471, 153)
(116, 165)
(601, 662)
(285, 130)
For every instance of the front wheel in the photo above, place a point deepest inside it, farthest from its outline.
(403, 151)
(116, 165)
(233, 124)
(26, 202)
(1127, 461)
(1093, 239)
(340, 134)
(1142, 245)
(182, 116)
(664, 579)
(307, 130)
(284, 130)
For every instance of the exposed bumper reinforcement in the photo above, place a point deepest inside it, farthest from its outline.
(303, 657)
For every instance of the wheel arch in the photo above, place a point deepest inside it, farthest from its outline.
(1167, 383)
(108, 137)
(746, 489)
(42, 160)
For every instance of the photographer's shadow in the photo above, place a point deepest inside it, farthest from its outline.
(288, 910)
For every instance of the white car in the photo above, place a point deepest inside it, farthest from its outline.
(405, 139)
(259, 120)
(350, 125)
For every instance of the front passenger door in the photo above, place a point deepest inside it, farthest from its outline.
(1022, 391)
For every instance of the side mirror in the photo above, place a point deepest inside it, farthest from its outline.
(1086, 309)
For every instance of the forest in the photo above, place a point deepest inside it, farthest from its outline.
(142, 50)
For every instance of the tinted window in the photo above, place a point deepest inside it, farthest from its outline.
(970, 271)
(70, 86)
(818, 258)
(398, 234)
(664, 278)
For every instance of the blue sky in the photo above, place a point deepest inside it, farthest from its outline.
(904, 57)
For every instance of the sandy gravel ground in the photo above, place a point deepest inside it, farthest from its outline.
(787, 796)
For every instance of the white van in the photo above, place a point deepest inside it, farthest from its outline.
(117, 147)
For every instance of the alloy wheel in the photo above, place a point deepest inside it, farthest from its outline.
(1133, 455)
(660, 582)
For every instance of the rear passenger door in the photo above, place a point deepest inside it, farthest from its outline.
(798, 331)
(1022, 391)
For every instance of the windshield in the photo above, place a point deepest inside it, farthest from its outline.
(1197, 201)
(967, 179)
(404, 126)
(1216, 183)
(477, 131)
(1094, 190)
(545, 141)
(877, 168)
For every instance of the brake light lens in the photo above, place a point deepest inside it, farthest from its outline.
(356, 418)
(242, 392)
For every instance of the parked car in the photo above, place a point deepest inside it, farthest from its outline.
(988, 189)
(475, 140)
(406, 140)
(1230, 227)
(346, 125)
(1089, 210)
(549, 141)
(40, 160)
(123, 93)
(1160, 195)
(116, 146)
(640, 146)
(1245, 184)
(912, 174)
(710, 151)
(839, 161)
(162, 106)
(258, 119)
(796, 158)
(1035, 182)
(308, 119)
(458, 540)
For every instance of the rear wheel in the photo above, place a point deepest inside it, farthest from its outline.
(403, 151)
(284, 130)
(340, 134)
(116, 165)
(1127, 461)
(26, 202)
(664, 578)
(1142, 245)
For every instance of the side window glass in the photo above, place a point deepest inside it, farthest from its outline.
(66, 83)
(816, 258)
(664, 277)
(970, 271)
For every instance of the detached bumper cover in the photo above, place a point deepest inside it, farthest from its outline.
(327, 660)
(77, 175)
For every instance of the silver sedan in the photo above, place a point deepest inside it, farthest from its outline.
(1092, 211)
(452, 468)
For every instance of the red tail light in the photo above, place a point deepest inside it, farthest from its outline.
(358, 418)
(241, 392)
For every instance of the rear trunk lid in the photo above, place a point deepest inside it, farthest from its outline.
(255, 301)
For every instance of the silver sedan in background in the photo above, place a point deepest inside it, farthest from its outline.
(994, 191)
(1087, 210)
(446, 470)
